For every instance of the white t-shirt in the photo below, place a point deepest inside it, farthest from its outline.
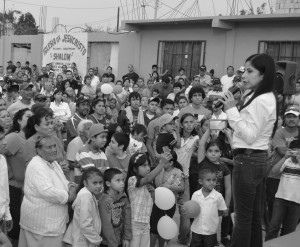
(226, 82)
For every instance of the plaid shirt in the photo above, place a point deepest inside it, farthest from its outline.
(140, 200)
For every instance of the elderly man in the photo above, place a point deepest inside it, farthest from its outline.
(76, 144)
(44, 210)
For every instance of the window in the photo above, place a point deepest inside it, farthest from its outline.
(281, 50)
(173, 55)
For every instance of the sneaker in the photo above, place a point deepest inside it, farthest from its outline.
(225, 242)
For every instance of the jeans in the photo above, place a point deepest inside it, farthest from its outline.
(271, 189)
(140, 234)
(247, 187)
(199, 240)
(185, 223)
(286, 213)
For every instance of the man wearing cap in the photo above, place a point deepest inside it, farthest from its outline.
(164, 87)
(205, 80)
(280, 142)
(26, 101)
(40, 101)
(241, 71)
(91, 155)
(82, 111)
(227, 80)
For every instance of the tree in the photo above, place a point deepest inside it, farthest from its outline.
(26, 25)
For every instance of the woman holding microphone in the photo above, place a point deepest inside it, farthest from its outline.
(253, 126)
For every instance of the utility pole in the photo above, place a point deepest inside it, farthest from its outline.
(118, 19)
(156, 8)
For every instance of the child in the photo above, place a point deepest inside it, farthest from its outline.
(150, 113)
(209, 155)
(135, 88)
(85, 228)
(140, 192)
(113, 109)
(217, 89)
(137, 136)
(100, 115)
(115, 211)
(176, 89)
(286, 209)
(165, 137)
(116, 153)
(204, 227)
(155, 93)
(133, 112)
(126, 85)
(217, 111)
(91, 154)
(170, 177)
(182, 102)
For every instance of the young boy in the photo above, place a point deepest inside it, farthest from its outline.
(113, 109)
(212, 204)
(182, 102)
(5, 216)
(116, 153)
(176, 89)
(166, 135)
(133, 112)
(144, 103)
(91, 154)
(137, 136)
(150, 113)
(155, 93)
(286, 209)
(115, 211)
(217, 89)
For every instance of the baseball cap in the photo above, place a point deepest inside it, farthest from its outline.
(40, 97)
(96, 129)
(292, 110)
(241, 69)
(165, 119)
(82, 99)
(202, 67)
(155, 99)
(25, 86)
(9, 61)
(216, 81)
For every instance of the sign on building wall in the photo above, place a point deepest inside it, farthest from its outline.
(64, 49)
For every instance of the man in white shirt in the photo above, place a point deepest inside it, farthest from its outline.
(95, 79)
(227, 80)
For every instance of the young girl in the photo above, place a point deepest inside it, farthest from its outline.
(140, 193)
(209, 155)
(189, 141)
(115, 211)
(170, 177)
(100, 115)
(85, 228)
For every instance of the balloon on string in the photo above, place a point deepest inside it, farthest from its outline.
(164, 198)
(106, 88)
(118, 89)
(112, 84)
(167, 228)
(191, 209)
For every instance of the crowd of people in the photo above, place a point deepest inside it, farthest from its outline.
(79, 167)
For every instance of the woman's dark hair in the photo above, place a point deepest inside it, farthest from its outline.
(166, 102)
(265, 65)
(135, 95)
(184, 116)
(109, 175)
(178, 84)
(122, 139)
(136, 160)
(56, 92)
(96, 101)
(36, 119)
(111, 129)
(139, 128)
(176, 164)
(214, 143)
(17, 117)
(86, 174)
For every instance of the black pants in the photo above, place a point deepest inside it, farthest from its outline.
(199, 240)
(16, 196)
(271, 189)
(248, 183)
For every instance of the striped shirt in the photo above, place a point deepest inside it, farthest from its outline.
(289, 185)
(87, 158)
(44, 210)
(140, 200)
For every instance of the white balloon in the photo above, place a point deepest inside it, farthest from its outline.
(164, 198)
(106, 88)
(167, 228)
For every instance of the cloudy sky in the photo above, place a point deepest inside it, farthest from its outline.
(103, 13)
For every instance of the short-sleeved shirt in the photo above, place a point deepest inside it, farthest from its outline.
(17, 106)
(140, 200)
(163, 91)
(163, 140)
(222, 171)
(87, 158)
(206, 223)
(289, 185)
